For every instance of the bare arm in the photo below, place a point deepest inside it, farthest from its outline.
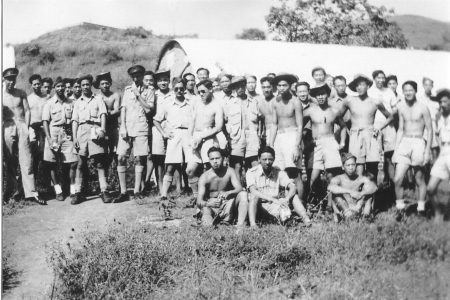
(335, 187)
(47, 132)
(401, 123)
(388, 115)
(299, 121)
(218, 124)
(116, 108)
(201, 191)
(123, 125)
(343, 127)
(429, 127)
(368, 187)
(26, 110)
(237, 187)
(274, 128)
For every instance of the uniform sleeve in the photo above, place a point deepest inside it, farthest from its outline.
(46, 112)
(284, 179)
(75, 112)
(150, 96)
(125, 97)
(160, 114)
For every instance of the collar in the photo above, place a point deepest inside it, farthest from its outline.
(83, 97)
(260, 172)
(175, 102)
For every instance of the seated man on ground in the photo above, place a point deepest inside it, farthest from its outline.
(351, 192)
(264, 182)
(223, 191)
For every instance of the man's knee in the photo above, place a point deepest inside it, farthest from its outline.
(242, 198)
(207, 219)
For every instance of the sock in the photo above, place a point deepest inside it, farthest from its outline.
(193, 183)
(400, 204)
(73, 189)
(138, 170)
(102, 182)
(57, 188)
(122, 180)
(167, 181)
(421, 205)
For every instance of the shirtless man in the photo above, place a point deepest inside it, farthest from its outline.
(36, 101)
(411, 150)
(286, 136)
(16, 120)
(441, 169)
(220, 193)
(365, 143)
(103, 82)
(352, 193)
(47, 85)
(266, 108)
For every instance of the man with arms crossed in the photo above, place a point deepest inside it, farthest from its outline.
(352, 193)
(411, 150)
(220, 193)
(264, 182)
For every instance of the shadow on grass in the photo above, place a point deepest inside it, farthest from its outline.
(10, 276)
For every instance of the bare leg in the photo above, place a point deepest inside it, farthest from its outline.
(150, 167)
(252, 209)
(314, 175)
(167, 181)
(207, 216)
(422, 187)
(400, 172)
(300, 209)
(121, 169)
(101, 172)
(138, 170)
(242, 204)
(160, 175)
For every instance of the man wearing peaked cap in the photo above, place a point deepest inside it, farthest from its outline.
(16, 121)
(136, 69)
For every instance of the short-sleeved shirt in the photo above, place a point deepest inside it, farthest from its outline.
(57, 113)
(176, 114)
(389, 100)
(88, 109)
(251, 112)
(162, 98)
(232, 110)
(36, 104)
(443, 130)
(136, 120)
(267, 184)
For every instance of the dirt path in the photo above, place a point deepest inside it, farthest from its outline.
(28, 234)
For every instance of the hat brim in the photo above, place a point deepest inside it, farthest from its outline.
(237, 83)
(314, 92)
(98, 79)
(354, 83)
(161, 74)
(286, 77)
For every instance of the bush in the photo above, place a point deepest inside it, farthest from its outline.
(46, 57)
(111, 55)
(138, 32)
(31, 50)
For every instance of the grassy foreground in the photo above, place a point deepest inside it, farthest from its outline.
(383, 260)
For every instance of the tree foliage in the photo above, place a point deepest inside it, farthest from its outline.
(251, 34)
(345, 22)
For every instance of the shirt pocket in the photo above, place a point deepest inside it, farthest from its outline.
(56, 114)
(93, 111)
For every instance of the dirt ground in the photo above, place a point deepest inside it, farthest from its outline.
(28, 234)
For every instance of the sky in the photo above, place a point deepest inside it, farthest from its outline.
(24, 20)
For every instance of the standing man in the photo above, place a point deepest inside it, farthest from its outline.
(287, 132)
(68, 83)
(133, 131)
(251, 86)
(202, 74)
(89, 128)
(190, 87)
(220, 194)
(266, 108)
(76, 90)
(57, 117)
(16, 120)
(411, 150)
(441, 169)
(365, 143)
(36, 101)
(319, 75)
(47, 84)
(103, 82)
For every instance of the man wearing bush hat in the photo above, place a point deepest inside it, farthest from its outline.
(16, 120)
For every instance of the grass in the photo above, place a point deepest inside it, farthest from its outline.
(384, 260)
(9, 274)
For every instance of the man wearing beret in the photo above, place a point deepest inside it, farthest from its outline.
(57, 116)
(36, 101)
(88, 127)
(16, 120)
(137, 103)
(411, 149)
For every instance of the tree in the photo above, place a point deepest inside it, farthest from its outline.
(345, 22)
(251, 34)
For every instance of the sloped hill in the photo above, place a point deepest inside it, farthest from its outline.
(88, 48)
(424, 33)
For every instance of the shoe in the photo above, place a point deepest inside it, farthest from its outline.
(106, 197)
(72, 197)
(77, 199)
(60, 197)
(399, 215)
(121, 198)
(39, 200)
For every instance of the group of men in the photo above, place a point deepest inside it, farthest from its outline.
(245, 155)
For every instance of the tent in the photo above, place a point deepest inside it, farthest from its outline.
(240, 57)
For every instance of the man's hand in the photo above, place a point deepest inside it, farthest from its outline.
(296, 154)
(356, 195)
(101, 134)
(168, 135)
(341, 146)
(136, 91)
(223, 195)
(427, 157)
(196, 142)
(123, 132)
(76, 145)
(201, 204)
(376, 132)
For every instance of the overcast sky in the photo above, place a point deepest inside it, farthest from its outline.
(24, 20)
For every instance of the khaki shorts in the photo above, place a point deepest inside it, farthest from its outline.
(88, 147)
(202, 151)
(252, 143)
(441, 168)
(285, 145)
(326, 153)
(66, 149)
(158, 143)
(139, 144)
(410, 151)
(223, 211)
(364, 146)
(238, 145)
(275, 209)
(179, 149)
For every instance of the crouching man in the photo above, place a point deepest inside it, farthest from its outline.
(264, 182)
(352, 193)
(222, 190)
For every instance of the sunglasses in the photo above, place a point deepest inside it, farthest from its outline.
(178, 89)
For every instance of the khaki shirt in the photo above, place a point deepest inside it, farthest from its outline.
(88, 109)
(251, 113)
(58, 113)
(136, 121)
(176, 114)
(232, 110)
(268, 185)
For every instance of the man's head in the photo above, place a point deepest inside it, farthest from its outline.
(267, 87)
(427, 85)
(251, 83)
(409, 90)
(392, 82)
(443, 96)
(68, 83)
(76, 89)
(47, 84)
(202, 74)
(190, 81)
(340, 84)
(329, 80)
(318, 74)
(10, 78)
(149, 79)
(266, 157)
(349, 164)
(162, 80)
(60, 87)
(302, 91)
(179, 86)
(215, 156)
(271, 75)
(360, 84)
(36, 83)
(136, 74)
(283, 81)
(321, 93)
(239, 85)
(225, 81)
(205, 90)
(379, 78)
(86, 84)
(103, 82)
(216, 85)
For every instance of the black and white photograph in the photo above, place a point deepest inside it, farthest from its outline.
(225, 149)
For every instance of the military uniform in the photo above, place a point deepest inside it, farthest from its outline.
(158, 143)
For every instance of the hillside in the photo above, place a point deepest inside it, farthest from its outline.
(424, 33)
(88, 48)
